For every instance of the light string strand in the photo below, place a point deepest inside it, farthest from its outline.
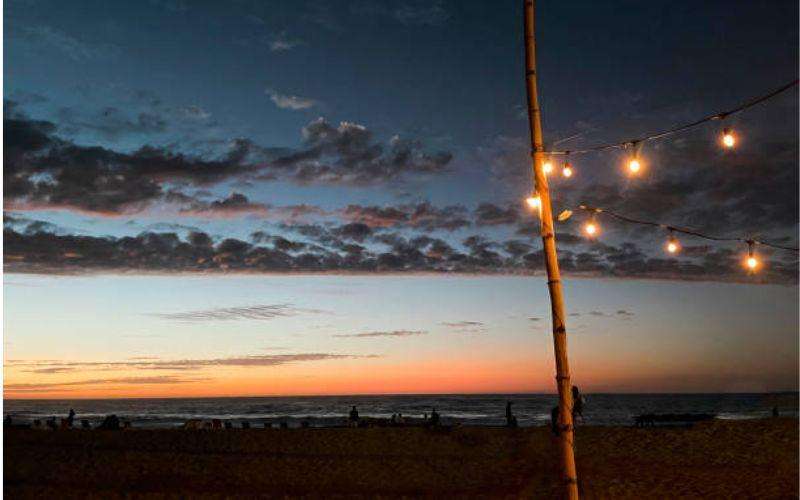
(683, 230)
(659, 135)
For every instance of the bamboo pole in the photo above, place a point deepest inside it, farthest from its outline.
(551, 262)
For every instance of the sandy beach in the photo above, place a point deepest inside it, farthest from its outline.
(718, 459)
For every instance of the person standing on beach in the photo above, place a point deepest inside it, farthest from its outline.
(577, 403)
(354, 417)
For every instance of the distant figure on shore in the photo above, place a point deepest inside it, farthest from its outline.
(228, 424)
(577, 403)
(353, 417)
(434, 418)
(71, 417)
(51, 423)
(554, 425)
(110, 423)
(775, 412)
(511, 420)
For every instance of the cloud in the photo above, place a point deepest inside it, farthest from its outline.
(347, 154)
(356, 247)
(394, 333)
(43, 171)
(236, 204)
(488, 214)
(419, 216)
(162, 379)
(281, 43)
(257, 312)
(466, 326)
(78, 50)
(181, 364)
(293, 102)
(422, 14)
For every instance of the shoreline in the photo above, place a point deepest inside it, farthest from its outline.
(715, 459)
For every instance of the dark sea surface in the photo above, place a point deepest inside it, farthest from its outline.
(483, 409)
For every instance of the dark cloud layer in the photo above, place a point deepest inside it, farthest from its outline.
(44, 170)
(356, 248)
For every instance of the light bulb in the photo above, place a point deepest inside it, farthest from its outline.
(673, 246)
(634, 166)
(534, 202)
(591, 228)
(547, 167)
(567, 171)
(728, 139)
(752, 263)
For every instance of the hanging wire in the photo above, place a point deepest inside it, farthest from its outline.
(676, 229)
(659, 135)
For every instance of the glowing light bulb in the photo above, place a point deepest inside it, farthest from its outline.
(728, 139)
(634, 166)
(673, 245)
(534, 202)
(567, 170)
(547, 167)
(752, 262)
(591, 228)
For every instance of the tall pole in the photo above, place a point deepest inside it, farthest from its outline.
(569, 473)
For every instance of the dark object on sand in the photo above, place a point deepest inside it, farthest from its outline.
(434, 418)
(228, 424)
(775, 412)
(554, 426)
(284, 425)
(267, 425)
(110, 423)
(305, 424)
(71, 417)
(37, 424)
(51, 423)
(245, 425)
(85, 424)
(577, 403)
(354, 415)
(511, 420)
(216, 424)
(671, 419)
(7, 421)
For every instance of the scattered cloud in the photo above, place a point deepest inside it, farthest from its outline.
(257, 312)
(288, 101)
(394, 333)
(466, 326)
(179, 365)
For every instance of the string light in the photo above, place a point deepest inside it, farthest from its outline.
(682, 128)
(728, 139)
(591, 228)
(673, 245)
(534, 201)
(547, 167)
(752, 261)
(567, 170)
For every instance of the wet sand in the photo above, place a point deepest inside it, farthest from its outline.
(719, 459)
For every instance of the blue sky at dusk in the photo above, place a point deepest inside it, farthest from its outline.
(272, 167)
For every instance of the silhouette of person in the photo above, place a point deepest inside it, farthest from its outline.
(511, 420)
(434, 417)
(775, 411)
(577, 403)
(71, 417)
(354, 415)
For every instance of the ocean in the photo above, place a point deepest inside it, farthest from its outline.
(478, 409)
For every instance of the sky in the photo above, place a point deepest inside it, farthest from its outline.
(245, 198)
